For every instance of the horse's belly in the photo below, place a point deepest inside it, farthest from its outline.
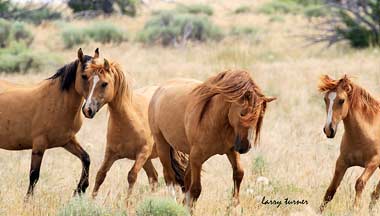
(9, 142)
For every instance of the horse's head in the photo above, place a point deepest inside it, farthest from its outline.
(246, 117)
(105, 82)
(337, 102)
(81, 83)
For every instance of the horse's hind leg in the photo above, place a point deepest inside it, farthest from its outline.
(108, 160)
(40, 144)
(163, 151)
(74, 148)
(362, 180)
(238, 174)
(375, 196)
(151, 173)
(340, 170)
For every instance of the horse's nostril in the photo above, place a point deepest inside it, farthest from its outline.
(89, 111)
(324, 130)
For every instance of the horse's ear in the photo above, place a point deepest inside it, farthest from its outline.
(80, 55)
(346, 84)
(269, 99)
(106, 65)
(96, 55)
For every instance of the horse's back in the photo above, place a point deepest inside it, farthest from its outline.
(167, 110)
(6, 85)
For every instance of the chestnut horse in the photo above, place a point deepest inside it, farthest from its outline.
(360, 145)
(44, 116)
(219, 116)
(128, 134)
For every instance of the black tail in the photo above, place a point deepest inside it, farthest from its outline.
(179, 161)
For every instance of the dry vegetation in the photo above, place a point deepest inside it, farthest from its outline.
(294, 154)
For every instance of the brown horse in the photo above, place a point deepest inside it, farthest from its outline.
(218, 116)
(360, 145)
(45, 116)
(128, 134)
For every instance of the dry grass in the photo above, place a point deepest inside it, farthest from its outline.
(298, 159)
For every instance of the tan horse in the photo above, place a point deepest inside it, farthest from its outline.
(128, 134)
(360, 145)
(219, 116)
(45, 116)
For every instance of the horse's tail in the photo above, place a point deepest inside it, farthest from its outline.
(179, 161)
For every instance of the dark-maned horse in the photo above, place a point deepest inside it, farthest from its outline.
(44, 116)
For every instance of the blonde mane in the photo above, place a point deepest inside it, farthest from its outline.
(358, 96)
(123, 90)
(235, 87)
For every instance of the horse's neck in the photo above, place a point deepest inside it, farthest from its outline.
(357, 125)
(124, 112)
(215, 120)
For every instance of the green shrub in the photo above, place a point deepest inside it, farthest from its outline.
(159, 207)
(36, 15)
(169, 28)
(354, 21)
(19, 58)
(315, 11)
(99, 32)
(20, 33)
(16, 31)
(128, 7)
(278, 6)
(243, 31)
(74, 36)
(106, 33)
(28, 12)
(310, 8)
(85, 5)
(5, 30)
(242, 9)
(195, 9)
(84, 207)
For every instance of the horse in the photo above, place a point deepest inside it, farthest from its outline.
(128, 134)
(44, 116)
(218, 116)
(360, 146)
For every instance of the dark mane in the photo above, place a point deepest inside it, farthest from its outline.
(67, 73)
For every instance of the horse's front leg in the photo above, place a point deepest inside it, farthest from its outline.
(40, 144)
(238, 173)
(74, 147)
(362, 180)
(340, 170)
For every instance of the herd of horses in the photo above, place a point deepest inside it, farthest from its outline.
(183, 122)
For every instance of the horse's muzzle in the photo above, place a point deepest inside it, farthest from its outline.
(241, 145)
(88, 112)
(329, 131)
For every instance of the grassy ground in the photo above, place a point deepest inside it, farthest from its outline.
(294, 154)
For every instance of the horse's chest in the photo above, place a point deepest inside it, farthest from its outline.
(359, 156)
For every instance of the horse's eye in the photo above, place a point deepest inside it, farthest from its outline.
(84, 77)
(104, 84)
(341, 101)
